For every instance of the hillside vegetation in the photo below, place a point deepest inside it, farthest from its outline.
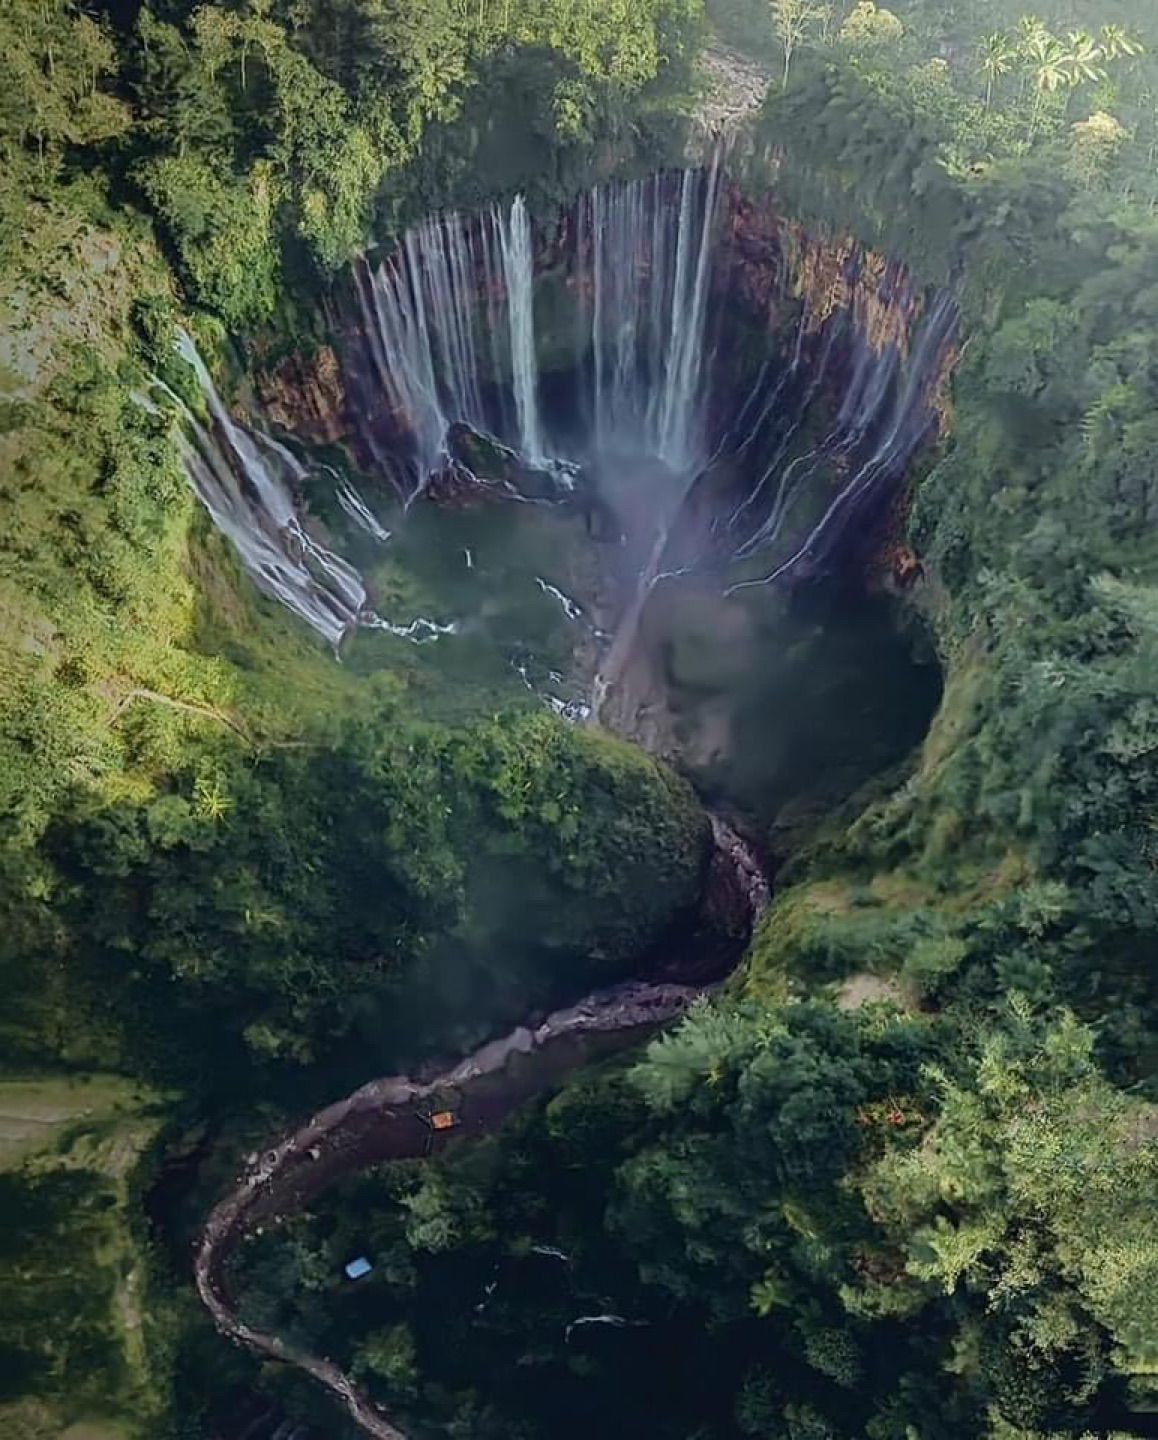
(899, 1181)
(226, 862)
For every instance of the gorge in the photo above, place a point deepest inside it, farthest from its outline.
(577, 720)
(712, 390)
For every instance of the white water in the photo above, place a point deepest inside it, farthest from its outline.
(515, 234)
(571, 608)
(453, 303)
(250, 484)
(898, 414)
(646, 252)
(453, 307)
(648, 279)
(246, 481)
(357, 509)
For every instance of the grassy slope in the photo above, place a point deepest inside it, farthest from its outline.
(72, 1264)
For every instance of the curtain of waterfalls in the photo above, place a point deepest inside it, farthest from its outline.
(884, 416)
(454, 307)
(643, 273)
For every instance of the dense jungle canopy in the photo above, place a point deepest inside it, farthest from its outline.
(897, 1177)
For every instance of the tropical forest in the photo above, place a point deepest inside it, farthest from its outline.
(578, 719)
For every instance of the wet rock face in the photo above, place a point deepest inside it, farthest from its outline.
(753, 283)
(306, 395)
(375, 434)
(503, 472)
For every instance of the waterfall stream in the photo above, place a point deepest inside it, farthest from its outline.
(250, 483)
(647, 266)
(515, 232)
(246, 480)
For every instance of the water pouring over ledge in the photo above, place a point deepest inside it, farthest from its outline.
(249, 483)
(640, 308)
(453, 336)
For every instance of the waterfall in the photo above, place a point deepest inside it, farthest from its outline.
(455, 303)
(418, 315)
(889, 398)
(455, 282)
(250, 483)
(648, 279)
(247, 481)
(515, 233)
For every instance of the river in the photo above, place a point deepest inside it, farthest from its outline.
(390, 1119)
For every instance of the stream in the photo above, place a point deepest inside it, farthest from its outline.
(390, 1119)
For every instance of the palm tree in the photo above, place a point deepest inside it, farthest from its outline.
(1049, 62)
(997, 55)
(1049, 65)
(1116, 41)
(1083, 57)
(1031, 28)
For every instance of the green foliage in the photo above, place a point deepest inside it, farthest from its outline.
(57, 1300)
(1034, 1188)
(73, 1263)
(929, 1223)
(869, 26)
(299, 115)
(389, 1356)
(464, 875)
(58, 61)
(178, 784)
(224, 232)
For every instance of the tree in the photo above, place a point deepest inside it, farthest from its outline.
(1083, 57)
(389, 1355)
(1049, 64)
(793, 19)
(1096, 142)
(56, 61)
(1048, 61)
(1031, 29)
(870, 26)
(996, 59)
(1117, 42)
(1036, 1183)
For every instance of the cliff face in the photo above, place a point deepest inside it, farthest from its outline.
(306, 395)
(777, 275)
